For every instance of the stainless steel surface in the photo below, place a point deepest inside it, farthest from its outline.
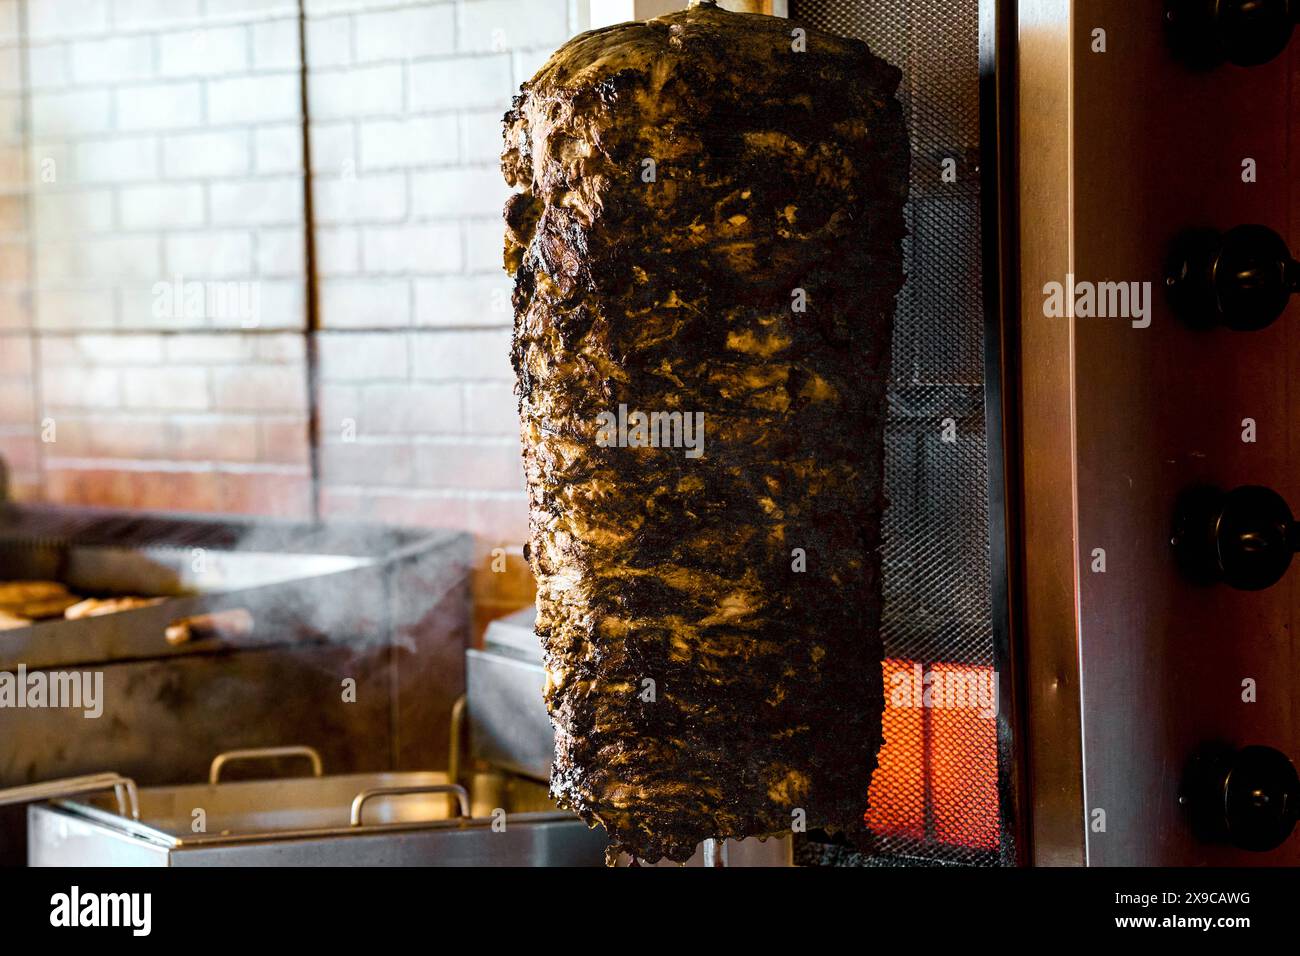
(509, 725)
(516, 633)
(1053, 731)
(714, 852)
(1132, 668)
(259, 808)
(314, 821)
(359, 802)
(221, 761)
(56, 838)
(456, 738)
(160, 570)
(752, 852)
(124, 790)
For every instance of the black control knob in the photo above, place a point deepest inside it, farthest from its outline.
(1248, 798)
(1243, 538)
(1241, 279)
(1205, 33)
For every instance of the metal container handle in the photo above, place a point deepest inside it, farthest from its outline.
(124, 789)
(264, 753)
(362, 798)
(458, 711)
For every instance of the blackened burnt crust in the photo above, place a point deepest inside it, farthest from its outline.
(774, 171)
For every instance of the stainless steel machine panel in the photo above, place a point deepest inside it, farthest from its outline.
(509, 726)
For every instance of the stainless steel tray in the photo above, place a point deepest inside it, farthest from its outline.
(399, 818)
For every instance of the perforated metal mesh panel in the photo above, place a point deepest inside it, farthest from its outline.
(935, 797)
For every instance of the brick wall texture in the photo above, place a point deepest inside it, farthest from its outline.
(157, 342)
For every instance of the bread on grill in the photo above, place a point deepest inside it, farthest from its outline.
(34, 599)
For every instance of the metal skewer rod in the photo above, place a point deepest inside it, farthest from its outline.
(715, 852)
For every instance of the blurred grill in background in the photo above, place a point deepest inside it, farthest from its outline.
(349, 640)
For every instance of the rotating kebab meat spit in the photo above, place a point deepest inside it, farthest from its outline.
(705, 238)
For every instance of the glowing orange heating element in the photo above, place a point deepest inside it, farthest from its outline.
(938, 773)
(897, 802)
(964, 765)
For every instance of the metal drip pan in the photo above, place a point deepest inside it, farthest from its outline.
(375, 819)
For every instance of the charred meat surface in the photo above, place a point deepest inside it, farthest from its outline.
(706, 229)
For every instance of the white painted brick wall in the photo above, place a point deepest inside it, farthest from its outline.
(482, 136)
(254, 99)
(408, 198)
(140, 14)
(411, 249)
(365, 303)
(174, 387)
(73, 213)
(244, 9)
(217, 254)
(157, 106)
(319, 7)
(252, 201)
(160, 207)
(170, 131)
(410, 409)
(8, 20)
(403, 34)
(329, 42)
(459, 192)
(359, 91)
(484, 245)
(262, 389)
(210, 51)
(213, 154)
(338, 250)
(462, 300)
(512, 25)
(123, 159)
(173, 128)
(333, 148)
(47, 67)
(283, 304)
(463, 82)
(277, 149)
(364, 357)
(75, 308)
(120, 257)
(71, 113)
(281, 252)
(111, 60)
(66, 18)
(11, 76)
(456, 356)
(77, 387)
(414, 141)
(19, 424)
(275, 45)
(371, 198)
